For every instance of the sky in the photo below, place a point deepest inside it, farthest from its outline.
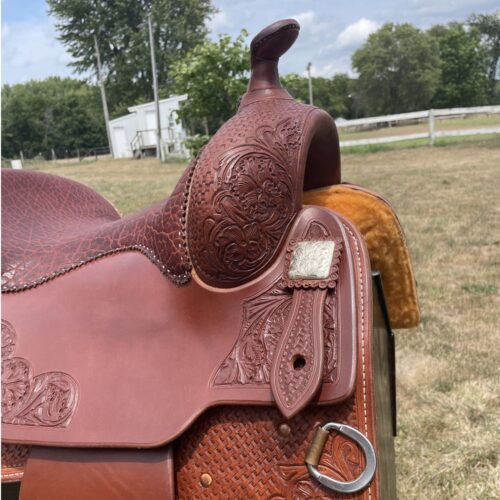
(331, 30)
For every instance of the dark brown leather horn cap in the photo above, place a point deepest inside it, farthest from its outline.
(266, 49)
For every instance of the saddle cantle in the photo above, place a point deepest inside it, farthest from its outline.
(215, 388)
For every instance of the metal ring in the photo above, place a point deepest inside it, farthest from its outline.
(367, 474)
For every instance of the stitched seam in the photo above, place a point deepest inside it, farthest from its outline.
(363, 347)
(14, 474)
(274, 34)
(184, 209)
(179, 279)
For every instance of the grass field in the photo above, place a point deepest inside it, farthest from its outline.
(448, 369)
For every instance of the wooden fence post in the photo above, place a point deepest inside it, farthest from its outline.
(432, 133)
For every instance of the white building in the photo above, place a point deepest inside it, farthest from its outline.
(134, 135)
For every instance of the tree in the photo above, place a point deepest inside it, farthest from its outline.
(488, 27)
(214, 75)
(122, 33)
(398, 70)
(58, 113)
(331, 94)
(463, 64)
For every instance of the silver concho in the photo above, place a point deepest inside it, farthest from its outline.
(311, 260)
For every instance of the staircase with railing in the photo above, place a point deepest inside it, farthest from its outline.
(137, 145)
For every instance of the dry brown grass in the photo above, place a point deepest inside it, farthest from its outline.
(448, 368)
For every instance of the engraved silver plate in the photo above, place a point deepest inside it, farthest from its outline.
(311, 260)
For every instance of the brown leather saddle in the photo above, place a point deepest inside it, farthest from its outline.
(225, 343)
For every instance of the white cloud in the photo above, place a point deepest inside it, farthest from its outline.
(338, 64)
(30, 50)
(218, 21)
(356, 33)
(309, 24)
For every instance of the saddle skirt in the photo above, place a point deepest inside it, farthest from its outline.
(166, 354)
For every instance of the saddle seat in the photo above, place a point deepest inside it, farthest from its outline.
(51, 225)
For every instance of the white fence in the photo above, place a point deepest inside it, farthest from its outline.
(430, 115)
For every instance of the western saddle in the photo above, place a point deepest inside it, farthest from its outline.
(229, 342)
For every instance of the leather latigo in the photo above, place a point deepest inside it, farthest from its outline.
(207, 355)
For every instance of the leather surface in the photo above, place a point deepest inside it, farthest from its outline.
(121, 308)
(114, 355)
(247, 186)
(234, 216)
(248, 456)
(51, 225)
(62, 474)
(14, 457)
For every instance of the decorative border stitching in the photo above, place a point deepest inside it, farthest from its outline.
(183, 217)
(287, 27)
(363, 347)
(179, 279)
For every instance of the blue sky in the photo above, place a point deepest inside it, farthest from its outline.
(331, 30)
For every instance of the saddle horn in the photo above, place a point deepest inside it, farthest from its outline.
(266, 48)
(247, 183)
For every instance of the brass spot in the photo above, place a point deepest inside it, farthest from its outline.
(206, 480)
(284, 430)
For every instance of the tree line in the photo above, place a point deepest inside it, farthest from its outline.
(399, 68)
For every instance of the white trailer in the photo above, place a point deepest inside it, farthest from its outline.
(134, 135)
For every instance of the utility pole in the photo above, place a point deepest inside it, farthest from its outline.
(310, 83)
(155, 89)
(103, 94)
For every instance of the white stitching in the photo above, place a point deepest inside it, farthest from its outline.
(360, 269)
(14, 474)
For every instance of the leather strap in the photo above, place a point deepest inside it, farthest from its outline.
(104, 474)
(298, 363)
(311, 269)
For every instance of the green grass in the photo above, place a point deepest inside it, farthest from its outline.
(448, 369)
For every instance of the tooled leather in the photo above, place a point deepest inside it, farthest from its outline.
(303, 334)
(243, 200)
(48, 399)
(249, 362)
(51, 225)
(14, 457)
(294, 386)
(247, 457)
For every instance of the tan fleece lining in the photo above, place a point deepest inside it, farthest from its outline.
(386, 244)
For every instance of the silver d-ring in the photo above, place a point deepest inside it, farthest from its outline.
(316, 449)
